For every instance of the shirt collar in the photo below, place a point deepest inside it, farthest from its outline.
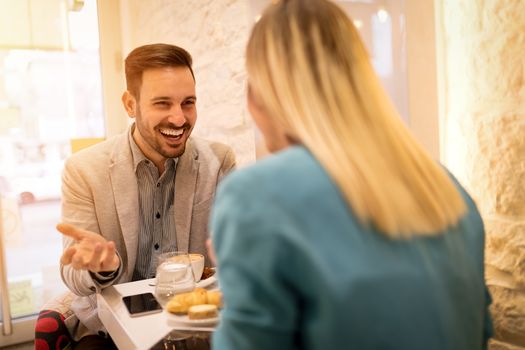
(139, 157)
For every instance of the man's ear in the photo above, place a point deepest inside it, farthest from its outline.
(130, 104)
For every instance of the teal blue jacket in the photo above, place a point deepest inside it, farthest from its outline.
(298, 271)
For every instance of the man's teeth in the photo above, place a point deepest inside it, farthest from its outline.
(172, 132)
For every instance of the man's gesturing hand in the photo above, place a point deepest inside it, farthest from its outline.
(90, 252)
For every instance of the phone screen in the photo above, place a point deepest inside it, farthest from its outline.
(142, 304)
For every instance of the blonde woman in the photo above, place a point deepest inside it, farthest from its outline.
(350, 236)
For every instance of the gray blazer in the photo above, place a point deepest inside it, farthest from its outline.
(100, 194)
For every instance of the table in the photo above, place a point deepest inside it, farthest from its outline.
(136, 332)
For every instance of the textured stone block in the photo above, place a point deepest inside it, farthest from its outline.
(508, 315)
(498, 163)
(500, 345)
(505, 247)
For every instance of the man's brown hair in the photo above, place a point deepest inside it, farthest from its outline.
(153, 56)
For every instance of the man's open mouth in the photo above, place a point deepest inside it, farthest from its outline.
(172, 133)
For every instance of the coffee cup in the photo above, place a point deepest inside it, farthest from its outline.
(197, 264)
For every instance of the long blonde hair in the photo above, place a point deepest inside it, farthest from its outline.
(309, 70)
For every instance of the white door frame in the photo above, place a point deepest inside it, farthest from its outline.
(11, 331)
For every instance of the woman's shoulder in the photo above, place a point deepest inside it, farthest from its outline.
(291, 169)
(289, 187)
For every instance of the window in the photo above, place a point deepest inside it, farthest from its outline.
(50, 94)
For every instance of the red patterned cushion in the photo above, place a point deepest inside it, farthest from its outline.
(51, 332)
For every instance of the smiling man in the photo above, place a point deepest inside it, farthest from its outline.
(139, 194)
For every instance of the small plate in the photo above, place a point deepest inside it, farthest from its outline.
(201, 284)
(185, 320)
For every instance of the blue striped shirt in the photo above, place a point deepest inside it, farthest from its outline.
(156, 212)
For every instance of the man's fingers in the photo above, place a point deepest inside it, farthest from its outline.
(109, 260)
(67, 256)
(70, 231)
(95, 262)
(79, 234)
(77, 262)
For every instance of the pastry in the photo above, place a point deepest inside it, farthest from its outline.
(181, 303)
(175, 307)
(199, 312)
(215, 298)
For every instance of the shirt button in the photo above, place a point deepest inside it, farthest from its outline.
(157, 215)
(156, 246)
(158, 184)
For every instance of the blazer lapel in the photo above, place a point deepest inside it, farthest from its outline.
(125, 193)
(185, 182)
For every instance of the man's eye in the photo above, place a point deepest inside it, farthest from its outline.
(162, 103)
(189, 102)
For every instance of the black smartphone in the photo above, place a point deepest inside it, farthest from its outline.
(141, 304)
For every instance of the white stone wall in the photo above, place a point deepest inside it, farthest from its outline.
(215, 32)
(484, 135)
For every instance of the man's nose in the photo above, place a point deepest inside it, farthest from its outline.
(177, 116)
